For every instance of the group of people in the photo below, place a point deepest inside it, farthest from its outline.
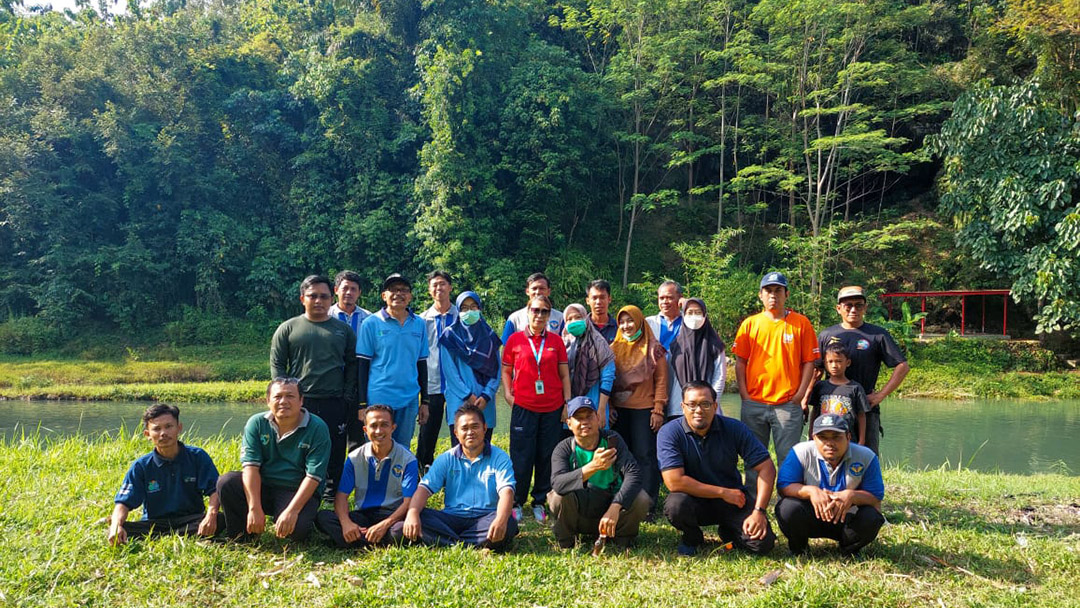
(603, 407)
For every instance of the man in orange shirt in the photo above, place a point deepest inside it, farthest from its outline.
(775, 352)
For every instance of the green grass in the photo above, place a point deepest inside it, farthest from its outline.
(957, 538)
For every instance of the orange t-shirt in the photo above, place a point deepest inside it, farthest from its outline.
(775, 352)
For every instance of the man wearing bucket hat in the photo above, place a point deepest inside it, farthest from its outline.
(868, 346)
(595, 480)
(830, 488)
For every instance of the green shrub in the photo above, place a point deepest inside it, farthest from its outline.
(196, 327)
(28, 335)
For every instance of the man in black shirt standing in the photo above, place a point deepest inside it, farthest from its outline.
(869, 346)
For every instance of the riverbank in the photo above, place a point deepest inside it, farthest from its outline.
(955, 538)
(943, 369)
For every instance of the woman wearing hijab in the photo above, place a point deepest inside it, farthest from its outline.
(641, 392)
(469, 359)
(536, 384)
(592, 363)
(697, 353)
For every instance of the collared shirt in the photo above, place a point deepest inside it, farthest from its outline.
(472, 487)
(380, 482)
(609, 330)
(285, 460)
(352, 320)
(664, 330)
(394, 350)
(712, 459)
(519, 355)
(435, 323)
(167, 488)
(859, 469)
(519, 321)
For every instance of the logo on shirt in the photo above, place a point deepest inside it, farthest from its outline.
(553, 325)
(862, 345)
(265, 439)
(304, 446)
(397, 470)
(153, 486)
(836, 404)
(834, 340)
(789, 338)
(857, 469)
(190, 479)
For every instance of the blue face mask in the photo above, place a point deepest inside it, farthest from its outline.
(470, 317)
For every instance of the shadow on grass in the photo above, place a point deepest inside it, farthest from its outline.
(1052, 520)
(918, 560)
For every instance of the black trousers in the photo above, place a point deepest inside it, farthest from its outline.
(187, 525)
(688, 513)
(328, 523)
(799, 524)
(336, 414)
(429, 431)
(873, 430)
(234, 506)
(533, 437)
(633, 426)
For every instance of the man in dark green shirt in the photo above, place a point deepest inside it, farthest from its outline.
(283, 454)
(321, 352)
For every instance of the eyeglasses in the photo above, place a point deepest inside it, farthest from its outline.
(540, 312)
(853, 305)
(699, 405)
(399, 290)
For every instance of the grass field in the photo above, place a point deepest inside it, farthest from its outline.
(955, 538)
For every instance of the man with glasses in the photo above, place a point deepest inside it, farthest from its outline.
(698, 456)
(321, 351)
(393, 350)
(868, 346)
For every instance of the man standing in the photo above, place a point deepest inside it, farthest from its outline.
(598, 295)
(699, 463)
(868, 346)
(168, 483)
(441, 315)
(384, 474)
(596, 484)
(536, 285)
(830, 488)
(393, 350)
(347, 290)
(321, 352)
(775, 353)
(668, 322)
(283, 455)
(479, 482)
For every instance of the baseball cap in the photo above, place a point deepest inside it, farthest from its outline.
(851, 291)
(773, 278)
(395, 278)
(830, 422)
(577, 403)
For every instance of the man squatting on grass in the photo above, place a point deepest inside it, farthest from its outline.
(168, 483)
(284, 454)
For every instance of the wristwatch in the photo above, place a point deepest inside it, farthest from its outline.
(762, 510)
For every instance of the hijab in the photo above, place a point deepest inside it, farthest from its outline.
(478, 345)
(591, 353)
(635, 361)
(694, 351)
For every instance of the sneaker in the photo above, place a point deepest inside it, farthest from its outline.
(540, 514)
(685, 550)
(516, 513)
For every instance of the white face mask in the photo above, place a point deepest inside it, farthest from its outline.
(694, 321)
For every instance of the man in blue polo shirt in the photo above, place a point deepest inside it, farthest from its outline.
(698, 456)
(168, 483)
(830, 488)
(393, 351)
(479, 482)
(384, 474)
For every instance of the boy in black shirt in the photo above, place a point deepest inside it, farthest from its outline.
(838, 395)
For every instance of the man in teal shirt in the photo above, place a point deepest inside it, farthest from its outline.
(284, 453)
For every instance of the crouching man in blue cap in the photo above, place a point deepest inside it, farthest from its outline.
(830, 488)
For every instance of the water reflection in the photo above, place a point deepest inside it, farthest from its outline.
(1008, 436)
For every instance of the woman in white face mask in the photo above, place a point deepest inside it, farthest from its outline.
(697, 353)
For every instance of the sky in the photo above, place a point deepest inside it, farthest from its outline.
(116, 6)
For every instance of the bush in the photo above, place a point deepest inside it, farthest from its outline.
(28, 335)
(986, 356)
(195, 327)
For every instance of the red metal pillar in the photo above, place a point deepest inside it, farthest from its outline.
(984, 314)
(1005, 316)
(963, 313)
(922, 326)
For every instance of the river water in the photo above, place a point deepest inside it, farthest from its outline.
(1008, 436)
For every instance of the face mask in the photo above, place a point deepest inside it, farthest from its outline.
(576, 328)
(694, 321)
(632, 338)
(468, 317)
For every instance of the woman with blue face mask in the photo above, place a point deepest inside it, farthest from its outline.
(469, 357)
(592, 363)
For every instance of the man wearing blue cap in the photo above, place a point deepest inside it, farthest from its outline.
(596, 483)
(830, 488)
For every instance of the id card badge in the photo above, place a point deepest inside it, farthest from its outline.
(539, 387)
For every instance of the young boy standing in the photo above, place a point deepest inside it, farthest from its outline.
(838, 395)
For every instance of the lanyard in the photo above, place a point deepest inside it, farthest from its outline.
(539, 353)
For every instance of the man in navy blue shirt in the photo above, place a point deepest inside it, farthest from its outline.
(830, 488)
(168, 483)
(698, 456)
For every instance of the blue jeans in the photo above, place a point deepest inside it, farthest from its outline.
(405, 419)
(783, 421)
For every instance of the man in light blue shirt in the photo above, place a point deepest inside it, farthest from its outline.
(442, 314)
(347, 290)
(478, 479)
(536, 285)
(393, 351)
(383, 474)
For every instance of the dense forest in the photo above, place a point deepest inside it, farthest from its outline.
(182, 161)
